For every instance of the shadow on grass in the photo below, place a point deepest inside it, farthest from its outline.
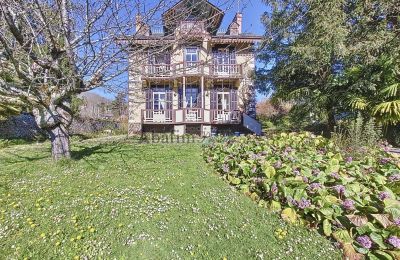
(20, 158)
(85, 151)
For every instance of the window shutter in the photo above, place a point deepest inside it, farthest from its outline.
(169, 99)
(214, 99)
(149, 98)
(234, 101)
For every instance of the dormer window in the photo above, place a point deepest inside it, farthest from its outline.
(191, 54)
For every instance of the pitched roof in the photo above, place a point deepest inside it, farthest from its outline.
(193, 10)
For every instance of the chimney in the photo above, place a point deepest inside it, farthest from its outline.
(141, 27)
(238, 19)
(235, 28)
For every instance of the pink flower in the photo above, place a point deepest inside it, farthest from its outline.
(394, 241)
(364, 241)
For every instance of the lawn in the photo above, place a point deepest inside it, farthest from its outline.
(121, 199)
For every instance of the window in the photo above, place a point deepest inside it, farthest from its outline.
(223, 100)
(191, 54)
(159, 100)
(192, 93)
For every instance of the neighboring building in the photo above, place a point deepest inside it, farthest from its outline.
(95, 106)
(190, 77)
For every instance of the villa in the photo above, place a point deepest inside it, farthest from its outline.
(191, 77)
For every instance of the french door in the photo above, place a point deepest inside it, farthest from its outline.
(223, 106)
(159, 106)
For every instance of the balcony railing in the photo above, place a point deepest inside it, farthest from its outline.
(194, 115)
(192, 68)
(192, 27)
(226, 69)
(191, 115)
(158, 70)
(225, 116)
(158, 116)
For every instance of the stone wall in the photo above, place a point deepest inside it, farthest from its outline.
(25, 127)
(22, 126)
(90, 125)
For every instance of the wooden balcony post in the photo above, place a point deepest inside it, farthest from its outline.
(184, 93)
(202, 91)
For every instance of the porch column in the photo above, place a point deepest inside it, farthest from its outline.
(184, 93)
(202, 91)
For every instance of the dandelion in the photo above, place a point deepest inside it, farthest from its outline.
(364, 241)
(394, 241)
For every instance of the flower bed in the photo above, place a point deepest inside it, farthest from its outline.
(307, 179)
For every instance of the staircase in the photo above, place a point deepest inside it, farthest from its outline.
(251, 124)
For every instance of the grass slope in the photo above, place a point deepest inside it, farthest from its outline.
(135, 201)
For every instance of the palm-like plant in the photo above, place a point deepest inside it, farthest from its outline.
(381, 93)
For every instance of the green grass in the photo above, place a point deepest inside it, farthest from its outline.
(135, 201)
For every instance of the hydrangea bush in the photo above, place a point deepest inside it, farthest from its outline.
(311, 181)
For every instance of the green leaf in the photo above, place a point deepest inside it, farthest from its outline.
(394, 254)
(327, 227)
(342, 236)
(289, 215)
(275, 206)
(327, 211)
(254, 196)
(378, 239)
(235, 181)
(382, 255)
(332, 199)
(392, 207)
(269, 171)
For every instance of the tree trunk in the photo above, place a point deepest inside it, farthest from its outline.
(331, 123)
(60, 145)
(55, 119)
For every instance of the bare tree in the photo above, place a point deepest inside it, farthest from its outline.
(52, 50)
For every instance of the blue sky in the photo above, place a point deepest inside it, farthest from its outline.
(252, 11)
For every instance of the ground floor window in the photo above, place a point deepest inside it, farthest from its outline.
(193, 97)
(159, 97)
(224, 96)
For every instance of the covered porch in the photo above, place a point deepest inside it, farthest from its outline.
(191, 100)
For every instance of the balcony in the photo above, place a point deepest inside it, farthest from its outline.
(191, 28)
(158, 71)
(190, 116)
(226, 70)
(192, 69)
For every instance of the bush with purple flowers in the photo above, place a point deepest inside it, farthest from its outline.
(311, 181)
